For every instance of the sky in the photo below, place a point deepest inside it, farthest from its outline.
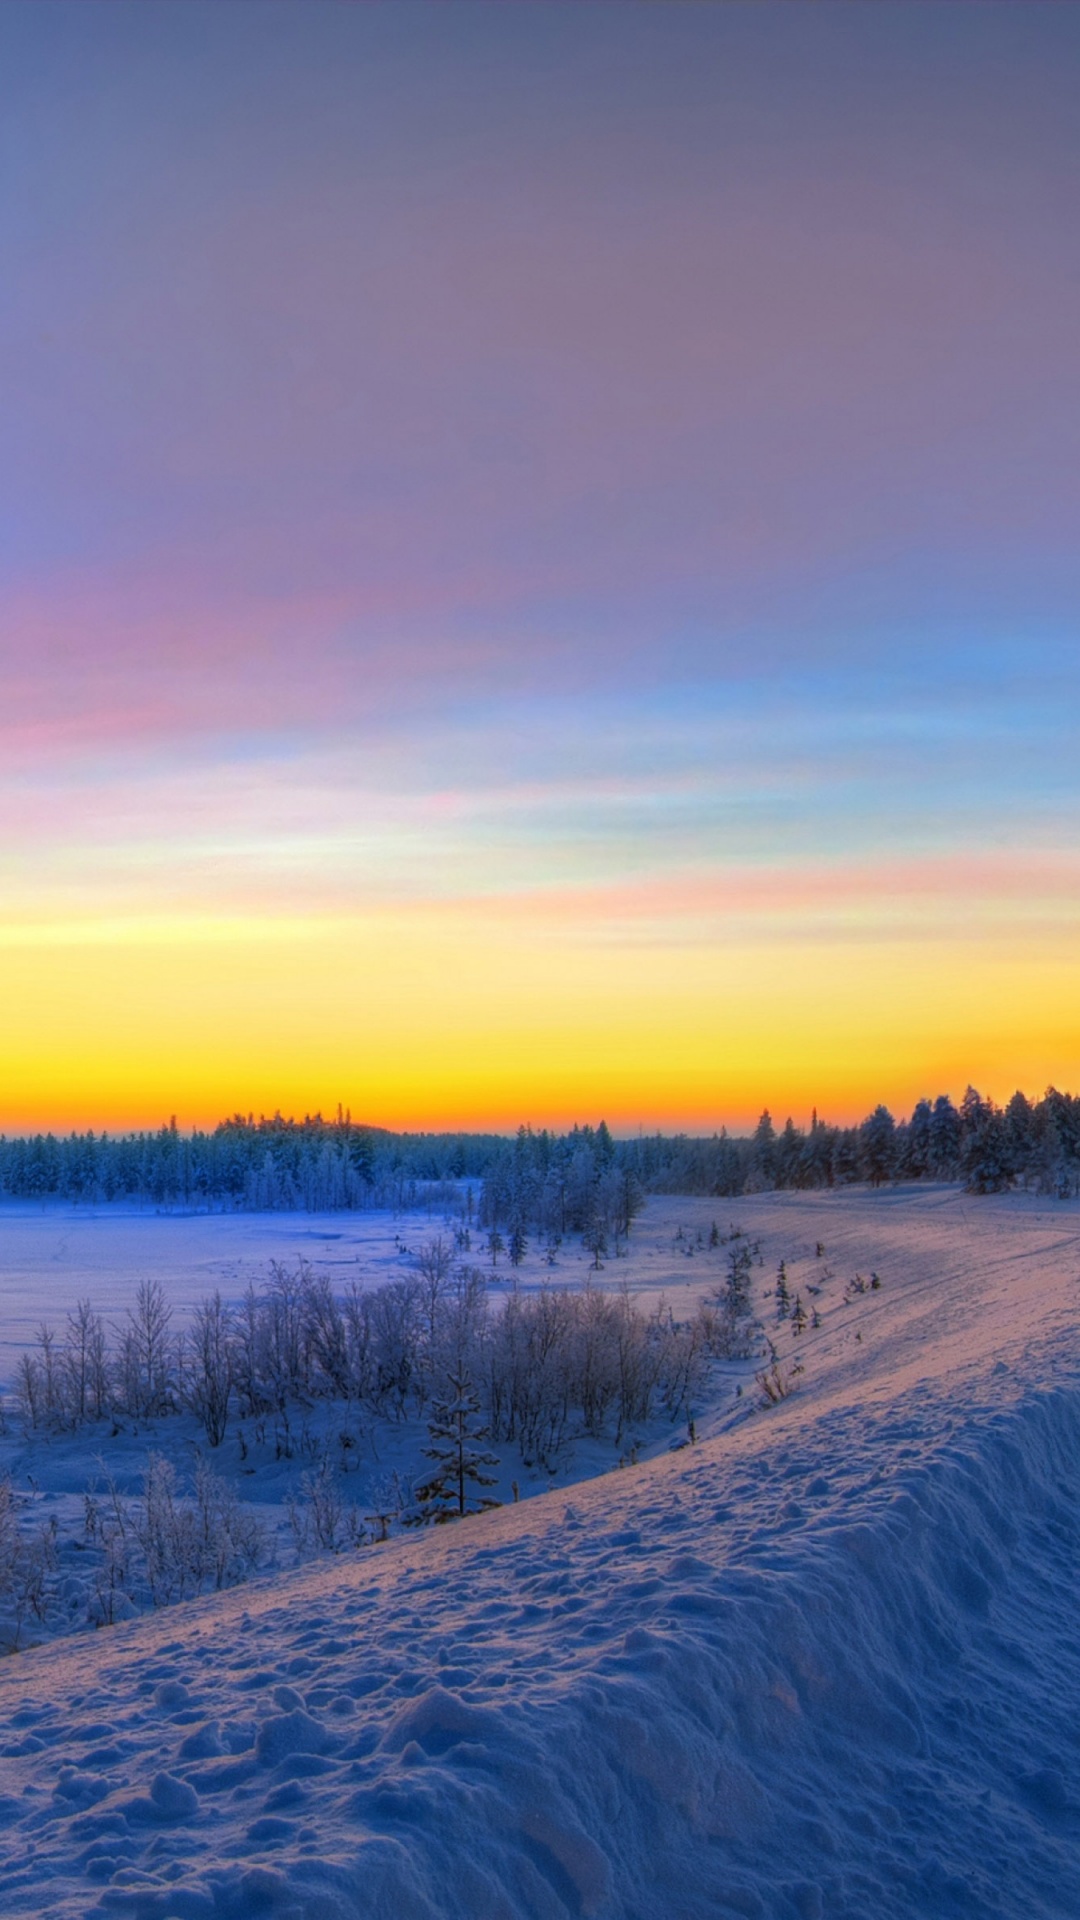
(539, 571)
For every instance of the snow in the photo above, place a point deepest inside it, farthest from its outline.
(821, 1665)
(52, 1255)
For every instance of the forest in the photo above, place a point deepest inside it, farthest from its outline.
(539, 1181)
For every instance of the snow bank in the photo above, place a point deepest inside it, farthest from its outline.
(830, 1678)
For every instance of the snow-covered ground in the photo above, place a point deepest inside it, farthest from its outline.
(824, 1663)
(52, 1258)
(53, 1255)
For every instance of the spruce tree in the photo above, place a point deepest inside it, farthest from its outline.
(738, 1283)
(517, 1245)
(877, 1137)
(455, 1430)
(594, 1240)
(783, 1297)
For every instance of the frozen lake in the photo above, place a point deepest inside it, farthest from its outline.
(53, 1256)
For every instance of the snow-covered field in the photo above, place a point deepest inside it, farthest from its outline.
(53, 1255)
(824, 1663)
(52, 1258)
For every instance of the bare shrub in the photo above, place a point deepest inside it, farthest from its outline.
(776, 1383)
(26, 1561)
(207, 1371)
(321, 1518)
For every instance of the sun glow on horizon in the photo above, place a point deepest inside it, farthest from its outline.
(539, 575)
(464, 1016)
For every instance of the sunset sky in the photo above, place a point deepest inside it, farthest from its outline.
(539, 560)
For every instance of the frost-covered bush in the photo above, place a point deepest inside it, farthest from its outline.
(166, 1545)
(547, 1365)
(27, 1558)
(321, 1518)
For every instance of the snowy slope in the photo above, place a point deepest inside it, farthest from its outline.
(824, 1663)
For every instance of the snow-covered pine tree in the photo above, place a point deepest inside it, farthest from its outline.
(762, 1172)
(877, 1146)
(456, 1430)
(594, 1239)
(783, 1298)
(740, 1261)
(985, 1158)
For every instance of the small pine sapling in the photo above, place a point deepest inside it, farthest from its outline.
(783, 1298)
(456, 1430)
(738, 1284)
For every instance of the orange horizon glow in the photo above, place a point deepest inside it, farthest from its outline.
(480, 1016)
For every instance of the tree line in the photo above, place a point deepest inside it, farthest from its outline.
(587, 1182)
(260, 1165)
(543, 1183)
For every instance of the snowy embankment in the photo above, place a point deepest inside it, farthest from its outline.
(825, 1663)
